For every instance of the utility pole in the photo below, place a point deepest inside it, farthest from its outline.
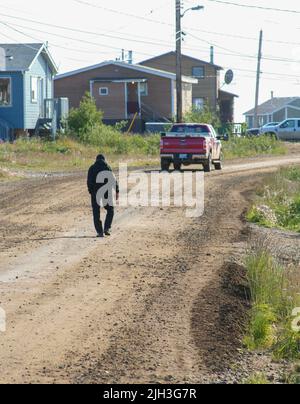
(178, 62)
(256, 123)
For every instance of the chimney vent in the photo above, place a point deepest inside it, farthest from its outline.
(212, 55)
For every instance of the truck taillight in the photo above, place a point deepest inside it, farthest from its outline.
(161, 144)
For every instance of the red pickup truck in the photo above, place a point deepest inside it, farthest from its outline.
(188, 144)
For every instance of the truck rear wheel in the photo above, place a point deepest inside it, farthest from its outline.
(208, 165)
(219, 164)
(177, 166)
(165, 165)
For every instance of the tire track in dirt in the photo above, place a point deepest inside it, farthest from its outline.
(153, 304)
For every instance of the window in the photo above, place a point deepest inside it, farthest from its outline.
(193, 129)
(290, 124)
(198, 103)
(5, 91)
(103, 91)
(198, 72)
(144, 89)
(34, 89)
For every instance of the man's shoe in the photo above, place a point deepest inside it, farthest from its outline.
(100, 235)
(107, 233)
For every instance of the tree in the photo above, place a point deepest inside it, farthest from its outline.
(204, 115)
(84, 119)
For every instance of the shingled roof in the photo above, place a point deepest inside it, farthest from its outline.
(272, 105)
(20, 57)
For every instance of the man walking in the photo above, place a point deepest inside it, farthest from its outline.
(101, 182)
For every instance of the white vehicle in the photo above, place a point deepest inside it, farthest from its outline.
(286, 130)
(266, 128)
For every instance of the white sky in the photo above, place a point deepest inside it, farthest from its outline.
(130, 28)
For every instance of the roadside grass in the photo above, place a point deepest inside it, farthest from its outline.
(274, 292)
(68, 154)
(74, 152)
(278, 202)
(238, 147)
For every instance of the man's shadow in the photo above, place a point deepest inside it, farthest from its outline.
(63, 238)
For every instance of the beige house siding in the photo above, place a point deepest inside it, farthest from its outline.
(113, 104)
(207, 88)
(159, 97)
(187, 90)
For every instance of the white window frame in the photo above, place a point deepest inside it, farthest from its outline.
(34, 99)
(10, 92)
(103, 94)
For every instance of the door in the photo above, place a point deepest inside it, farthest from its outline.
(287, 130)
(132, 99)
(297, 133)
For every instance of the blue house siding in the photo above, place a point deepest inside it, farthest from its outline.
(14, 115)
(41, 70)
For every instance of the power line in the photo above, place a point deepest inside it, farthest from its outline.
(51, 43)
(169, 65)
(139, 17)
(135, 40)
(235, 54)
(231, 3)
(97, 52)
(231, 53)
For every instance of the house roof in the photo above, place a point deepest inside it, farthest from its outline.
(136, 67)
(229, 94)
(272, 105)
(20, 57)
(184, 56)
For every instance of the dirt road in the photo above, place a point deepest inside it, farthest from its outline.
(159, 301)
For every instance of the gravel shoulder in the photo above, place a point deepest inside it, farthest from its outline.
(161, 301)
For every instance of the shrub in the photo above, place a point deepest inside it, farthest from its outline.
(280, 198)
(205, 115)
(84, 119)
(252, 146)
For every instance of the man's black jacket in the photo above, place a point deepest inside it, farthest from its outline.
(98, 167)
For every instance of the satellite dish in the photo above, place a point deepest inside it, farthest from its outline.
(229, 76)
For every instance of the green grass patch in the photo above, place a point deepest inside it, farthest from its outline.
(257, 378)
(274, 295)
(253, 146)
(278, 202)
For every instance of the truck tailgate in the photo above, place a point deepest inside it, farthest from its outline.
(183, 145)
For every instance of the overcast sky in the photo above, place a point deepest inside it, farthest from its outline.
(147, 28)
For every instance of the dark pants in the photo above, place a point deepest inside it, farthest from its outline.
(96, 213)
